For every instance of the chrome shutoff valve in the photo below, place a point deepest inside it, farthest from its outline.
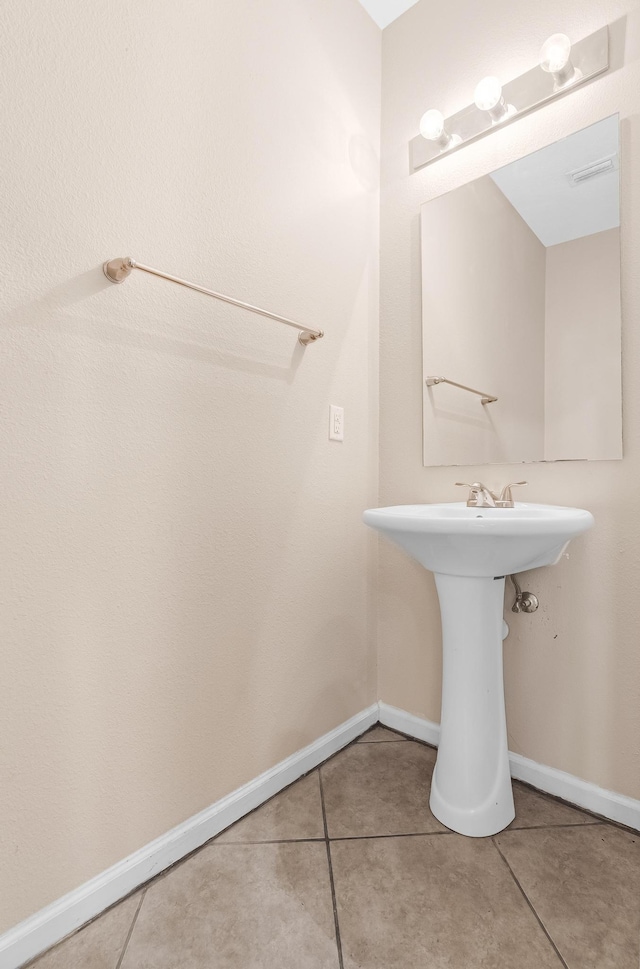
(524, 601)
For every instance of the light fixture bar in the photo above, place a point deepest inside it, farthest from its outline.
(589, 57)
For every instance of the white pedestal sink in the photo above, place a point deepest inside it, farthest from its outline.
(471, 550)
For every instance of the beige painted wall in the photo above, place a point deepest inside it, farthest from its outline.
(582, 349)
(483, 319)
(573, 668)
(167, 634)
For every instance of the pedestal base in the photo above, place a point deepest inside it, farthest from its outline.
(471, 787)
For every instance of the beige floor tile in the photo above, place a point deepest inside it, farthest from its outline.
(379, 789)
(98, 946)
(534, 809)
(434, 902)
(378, 735)
(585, 885)
(295, 813)
(239, 907)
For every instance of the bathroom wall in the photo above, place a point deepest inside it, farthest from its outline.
(483, 284)
(185, 581)
(572, 668)
(582, 348)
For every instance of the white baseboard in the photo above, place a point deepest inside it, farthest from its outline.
(413, 726)
(48, 926)
(616, 807)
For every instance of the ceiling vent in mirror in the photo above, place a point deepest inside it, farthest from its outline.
(601, 167)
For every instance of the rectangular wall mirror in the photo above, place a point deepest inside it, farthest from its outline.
(521, 303)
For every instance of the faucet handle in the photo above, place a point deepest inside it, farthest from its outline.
(506, 498)
(473, 492)
(479, 494)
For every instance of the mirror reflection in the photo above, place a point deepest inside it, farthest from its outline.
(521, 309)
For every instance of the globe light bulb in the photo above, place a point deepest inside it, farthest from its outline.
(488, 97)
(432, 128)
(555, 59)
(488, 93)
(555, 53)
(432, 125)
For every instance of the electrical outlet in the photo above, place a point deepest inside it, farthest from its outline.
(336, 423)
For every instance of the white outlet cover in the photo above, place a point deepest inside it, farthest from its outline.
(336, 423)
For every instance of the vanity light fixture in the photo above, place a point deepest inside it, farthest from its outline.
(488, 97)
(562, 67)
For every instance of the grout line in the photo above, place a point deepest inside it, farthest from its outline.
(416, 740)
(530, 904)
(552, 827)
(274, 841)
(378, 837)
(333, 887)
(398, 739)
(430, 834)
(130, 933)
(398, 834)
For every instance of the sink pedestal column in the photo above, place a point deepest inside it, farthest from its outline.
(471, 787)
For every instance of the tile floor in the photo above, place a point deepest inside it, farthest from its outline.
(348, 869)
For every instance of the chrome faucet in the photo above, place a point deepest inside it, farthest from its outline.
(482, 497)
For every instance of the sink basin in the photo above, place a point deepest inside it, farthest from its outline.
(471, 550)
(455, 540)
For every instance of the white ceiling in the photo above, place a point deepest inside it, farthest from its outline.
(557, 211)
(385, 12)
